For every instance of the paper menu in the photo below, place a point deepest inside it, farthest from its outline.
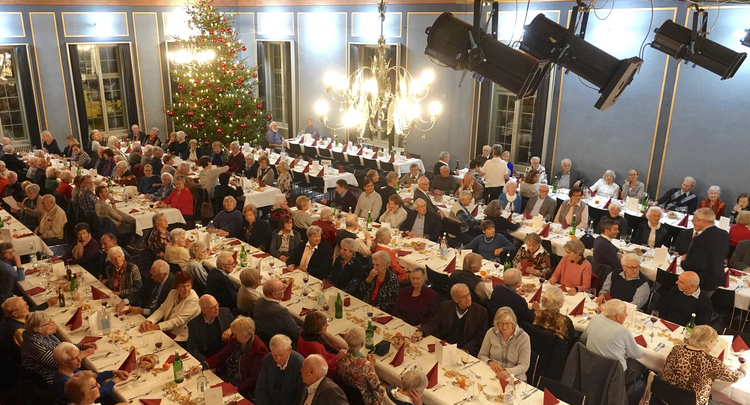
(58, 269)
(724, 223)
(446, 355)
(660, 255)
(537, 223)
(632, 204)
(12, 202)
(214, 396)
(6, 235)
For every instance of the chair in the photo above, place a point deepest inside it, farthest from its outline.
(601, 271)
(553, 258)
(551, 349)
(600, 379)
(531, 371)
(744, 335)
(722, 302)
(452, 230)
(386, 166)
(634, 221)
(440, 282)
(370, 163)
(339, 157)
(318, 183)
(353, 394)
(174, 268)
(663, 393)
(561, 391)
(295, 148)
(301, 181)
(325, 153)
(596, 214)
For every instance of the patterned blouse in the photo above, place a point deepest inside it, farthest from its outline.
(556, 323)
(232, 366)
(696, 370)
(158, 242)
(353, 368)
(539, 260)
(126, 281)
(387, 292)
(284, 183)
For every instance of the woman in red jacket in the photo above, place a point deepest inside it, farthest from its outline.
(239, 362)
(313, 340)
(181, 198)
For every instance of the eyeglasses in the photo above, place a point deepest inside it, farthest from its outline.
(631, 267)
(213, 307)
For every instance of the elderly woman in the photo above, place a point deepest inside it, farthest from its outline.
(417, 303)
(279, 208)
(314, 340)
(613, 214)
(122, 278)
(85, 252)
(180, 306)
(227, 222)
(506, 157)
(218, 157)
(381, 286)
(693, 367)
(171, 142)
(383, 239)
(574, 207)
(510, 200)
(254, 231)
(165, 190)
(31, 207)
(550, 318)
(347, 272)
(355, 369)
(301, 217)
(198, 253)
(176, 252)
(394, 214)
(159, 237)
(632, 186)
(606, 186)
(532, 258)
(251, 167)
(122, 175)
(39, 342)
(265, 173)
(328, 225)
(573, 271)
(530, 185)
(113, 144)
(741, 230)
(149, 183)
(193, 152)
(83, 388)
(95, 137)
(468, 183)
(65, 188)
(713, 201)
(413, 383)
(148, 155)
(491, 245)
(181, 198)
(82, 158)
(285, 240)
(743, 204)
(651, 233)
(239, 362)
(506, 347)
(153, 137)
(284, 182)
(50, 145)
(50, 182)
(313, 257)
(494, 212)
(248, 293)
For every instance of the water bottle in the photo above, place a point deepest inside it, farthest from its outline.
(32, 255)
(443, 247)
(510, 391)
(105, 324)
(321, 297)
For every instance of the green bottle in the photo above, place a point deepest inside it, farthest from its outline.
(506, 265)
(369, 336)
(689, 328)
(2, 224)
(109, 185)
(339, 307)
(79, 170)
(73, 283)
(179, 375)
(333, 207)
(554, 185)
(369, 221)
(573, 226)
(243, 257)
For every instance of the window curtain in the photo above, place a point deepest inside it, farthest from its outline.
(128, 81)
(75, 70)
(27, 90)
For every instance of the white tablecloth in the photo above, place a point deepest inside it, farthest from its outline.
(400, 165)
(144, 215)
(27, 244)
(262, 198)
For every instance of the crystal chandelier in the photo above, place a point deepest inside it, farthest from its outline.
(380, 98)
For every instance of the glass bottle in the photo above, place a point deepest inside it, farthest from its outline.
(105, 324)
(690, 326)
(243, 257)
(339, 307)
(61, 297)
(554, 185)
(573, 225)
(179, 375)
(369, 336)
(369, 221)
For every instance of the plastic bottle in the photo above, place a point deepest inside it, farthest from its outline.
(509, 396)
(443, 247)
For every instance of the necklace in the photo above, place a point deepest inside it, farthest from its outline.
(488, 241)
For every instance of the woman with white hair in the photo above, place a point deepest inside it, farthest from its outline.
(284, 182)
(51, 179)
(167, 186)
(413, 383)
(50, 145)
(313, 257)
(114, 145)
(176, 252)
(383, 239)
(193, 153)
(122, 278)
(12, 161)
(248, 293)
(550, 318)
(356, 369)
(651, 233)
(506, 347)
(251, 167)
(510, 200)
(122, 174)
(279, 208)
(198, 253)
(227, 222)
(65, 187)
(417, 303)
(613, 214)
(714, 202)
(347, 272)
(31, 207)
(380, 288)
(692, 366)
(256, 232)
(606, 186)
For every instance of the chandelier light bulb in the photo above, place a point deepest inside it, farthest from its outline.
(417, 86)
(321, 107)
(352, 118)
(428, 76)
(371, 86)
(435, 108)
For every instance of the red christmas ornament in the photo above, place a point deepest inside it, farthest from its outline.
(239, 103)
(236, 133)
(262, 128)
(206, 101)
(217, 88)
(210, 32)
(234, 68)
(206, 143)
(255, 75)
(201, 123)
(223, 71)
(195, 127)
(260, 106)
(249, 92)
(219, 115)
(177, 43)
(182, 101)
(242, 67)
(232, 51)
(229, 114)
(255, 113)
(218, 131)
(223, 64)
(170, 113)
(243, 125)
(190, 113)
(197, 81)
(180, 87)
(192, 93)
(247, 116)
(242, 79)
(243, 48)
(235, 82)
(268, 117)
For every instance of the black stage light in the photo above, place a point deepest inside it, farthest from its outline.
(546, 39)
(450, 41)
(746, 41)
(677, 42)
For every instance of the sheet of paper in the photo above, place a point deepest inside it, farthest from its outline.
(92, 172)
(58, 269)
(724, 223)
(213, 396)
(6, 235)
(95, 324)
(12, 202)
(537, 223)
(660, 255)
(632, 204)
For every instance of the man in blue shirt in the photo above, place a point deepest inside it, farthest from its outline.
(311, 129)
(10, 270)
(273, 137)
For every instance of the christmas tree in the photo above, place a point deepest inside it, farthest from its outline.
(214, 91)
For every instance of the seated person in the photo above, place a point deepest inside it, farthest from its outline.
(180, 199)
(684, 299)
(280, 380)
(218, 282)
(369, 202)
(209, 332)
(314, 339)
(356, 370)
(67, 356)
(30, 208)
(122, 175)
(272, 318)
(394, 214)
(458, 321)
(105, 208)
(166, 188)
(228, 222)
(421, 223)
(460, 213)
(468, 183)
(328, 226)
(176, 252)
(248, 294)
(301, 217)
(532, 258)
(381, 286)
(651, 233)
(614, 215)
(413, 384)
(628, 285)
(680, 198)
(444, 181)
(343, 199)
(347, 272)
(468, 275)
(198, 253)
(52, 224)
(573, 271)
(510, 200)
(383, 239)
(550, 318)
(606, 186)
(85, 251)
(279, 208)
(256, 232)
(387, 190)
(491, 245)
(417, 303)
(351, 228)
(121, 277)
(410, 179)
(741, 256)
(506, 348)
(159, 238)
(84, 388)
(313, 257)
(510, 295)
(265, 172)
(284, 241)
(494, 212)
(574, 207)
(530, 185)
(605, 252)
(251, 167)
(542, 204)
(153, 292)
(150, 182)
(224, 189)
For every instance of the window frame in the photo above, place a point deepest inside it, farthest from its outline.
(21, 99)
(289, 125)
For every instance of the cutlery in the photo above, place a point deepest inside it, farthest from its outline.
(462, 401)
(531, 392)
(470, 364)
(584, 320)
(137, 378)
(139, 395)
(292, 303)
(439, 386)
(408, 366)
(107, 365)
(475, 374)
(187, 390)
(659, 346)
(101, 356)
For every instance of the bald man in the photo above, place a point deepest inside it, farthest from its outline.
(270, 317)
(209, 333)
(320, 389)
(687, 298)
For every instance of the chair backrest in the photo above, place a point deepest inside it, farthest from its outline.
(325, 153)
(531, 371)
(634, 221)
(338, 157)
(561, 391)
(295, 148)
(386, 166)
(723, 301)
(663, 393)
(174, 268)
(370, 163)
(317, 182)
(744, 335)
(596, 214)
(665, 278)
(452, 229)
(552, 350)
(440, 282)
(599, 378)
(353, 394)
(299, 177)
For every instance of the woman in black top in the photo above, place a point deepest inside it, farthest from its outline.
(49, 144)
(347, 272)
(257, 232)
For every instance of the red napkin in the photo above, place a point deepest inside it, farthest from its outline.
(592, 192)
(89, 339)
(347, 301)
(641, 341)
(326, 285)
(315, 142)
(31, 271)
(726, 282)
(607, 204)
(563, 223)
(644, 214)
(277, 161)
(286, 270)
(431, 346)
(97, 294)
(170, 359)
(503, 384)
(524, 265)
(306, 311)
(732, 272)
(475, 211)
(244, 401)
(150, 401)
(671, 326)
(330, 145)
(307, 168)
(672, 266)
(510, 216)
(383, 319)
(684, 222)
(341, 170)
(24, 235)
(393, 158)
(235, 243)
(127, 150)
(402, 253)
(261, 183)
(545, 232)
(451, 266)
(129, 363)
(526, 214)
(288, 293)
(537, 295)
(261, 255)
(578, 310)
(360, 151)
(441, 205)
(739, 345)
(133, 211)
(321, 172)
(234, 256)
(721, 356)
(550, 399)
(432, 376)
(293, 164)
(75, 321)
(398, 359)
(497, 281)
(226, 388)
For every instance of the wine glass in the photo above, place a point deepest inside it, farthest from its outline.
(305, 279)
(654, 318)
(157, 342)
(326, 307)
(369, 312)
(305, 292)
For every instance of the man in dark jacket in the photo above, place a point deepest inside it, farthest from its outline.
(344, 200)
(153, 292)
(706, 250)
(605, 252)
(685, 299)
(313, 257)
(13, 189)
(270, 317)
(280, 380)
(506, 295)
(458, 321)
(567, 177)
(422, 223)
(219, 284)
(323, 390)
(387, 190)
(680, 197)
(209, 332)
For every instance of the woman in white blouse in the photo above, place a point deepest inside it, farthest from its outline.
(606, 187)
(394, 213)
(178, 309)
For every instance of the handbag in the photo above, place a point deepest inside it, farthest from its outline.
(207, 209)
(382, 348)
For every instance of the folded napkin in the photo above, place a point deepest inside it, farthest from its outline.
(24, 235)
(315, 142)
(451, 267)
(504, 383)
(261, 255)
(684, 222)
(545, 232)
(672, 266)
(128, 150)
(431, 346)
(497, 281)
(75, 321)
(326, 285)
(525, 264)
(330, 145)
(550, 399)
(150, 401)
(641, 341)
(341, 170)
(537, 296)
(408, 155)
(721, 356)
(133, 211)
(31, 271)
(35, 291)
(398, 359)
(97, 294)
(129, 363)
(383, 319)
(307, 169)
(733, 272)
(432, 375)
(288, 293)
(739, 345)
(441, 205)
(170, 359)
(510, 216)
(526, 214)
(360, 151)
(578, 310)
(286, 270)
(644, 214)
(475, 211)
(726, 280)
(306, 311)
(89, 339)
(606, 206)
(671, 326)
(400, 253)
(376, 226)
(393, 158)
(563, 223)
(321, 173)
(235, 243)
(226, 388)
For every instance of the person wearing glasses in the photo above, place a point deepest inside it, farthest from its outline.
(68, 356)
(628, 285)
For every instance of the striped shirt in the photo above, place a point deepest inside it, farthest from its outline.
(36, 354)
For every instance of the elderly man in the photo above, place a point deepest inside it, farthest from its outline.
(10, 270)
(15, 311)
(423, 187)
(148, 153)
(536, 165)
(444, 159)
(686, 298)
(67, 356)
(510, 295)
(135, 155)
(236, 158)
(468, 275)
(459, 321)
(741, 256)
(410, 179)
(681, 197)
(280, 381)
(614, 215)
(273, 137)
(542, 204)
(486, 155)
(351, 227)
(460, 213)
(607, 336)
(605, 252)
(628, 285)
(208, 334)
(135, 134)
(107, 242)
(40, 175)
(343, 199)
(328, 226)
(13, 189)
(704, 249)
(219, 284)
(567, 177)
(420, 223)
(320, 389)
(444, 182)
(157, 162)
(52, 224)
(495, 172)
(574, 207)
(469, 183)
(369, 202)
(153, 292)
(270, 317)
(12, 161)
(3, 169)
(313, 257)
(183, 169)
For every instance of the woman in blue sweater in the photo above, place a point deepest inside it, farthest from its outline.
(491, 245)
(149, 183)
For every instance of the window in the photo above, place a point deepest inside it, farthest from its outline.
(102, 82)
(514, 124)
(12, 114)
(276, 81)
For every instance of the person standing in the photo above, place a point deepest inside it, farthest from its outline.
(495, 172)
